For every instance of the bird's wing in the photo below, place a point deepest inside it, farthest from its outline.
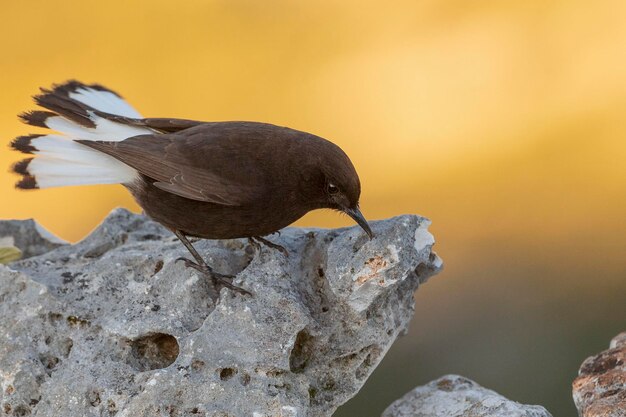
(156, 124)
(191, 166)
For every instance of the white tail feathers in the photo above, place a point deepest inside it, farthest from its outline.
(105, 101)
(61, 161)
(104, 129)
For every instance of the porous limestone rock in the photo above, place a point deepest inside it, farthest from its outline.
(456, 396)
(28, 236)
(114, 326)
(600, 389)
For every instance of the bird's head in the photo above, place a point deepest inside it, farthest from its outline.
(338, 185)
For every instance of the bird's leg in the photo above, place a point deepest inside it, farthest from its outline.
(270, 244)
(254, 244)
(201, 266)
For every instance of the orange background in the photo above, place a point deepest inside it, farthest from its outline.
(504, 122)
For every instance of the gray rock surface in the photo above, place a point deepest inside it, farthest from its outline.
(113, 326)
(29, 236)
(600, 389)
(456, 396)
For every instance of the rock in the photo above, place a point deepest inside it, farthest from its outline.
(114, 326)
(600, 389)
(28, 236)
(456, 396)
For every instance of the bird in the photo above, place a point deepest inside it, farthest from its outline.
(206, 180)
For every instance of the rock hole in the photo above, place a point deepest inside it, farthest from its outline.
(68, 277)
(329, 385)
(75, 321)
(66, 346)
(112, 407)
(363, 370)
(445, 385)
(346, 360)
(274, 373)
(21, 411)
(227, 373)
(154, 351)
(301, 352)
(197, 364)
(94, 398)
(244, 379)
(49, 362)
(157, 267)
(55, 317)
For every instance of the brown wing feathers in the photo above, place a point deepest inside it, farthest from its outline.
(159, 158)
(158, 124)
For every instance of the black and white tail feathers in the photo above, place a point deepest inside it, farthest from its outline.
(76, 111)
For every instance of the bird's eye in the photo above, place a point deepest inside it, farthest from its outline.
(332, 188)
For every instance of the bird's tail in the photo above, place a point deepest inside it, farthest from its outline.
(75, 111)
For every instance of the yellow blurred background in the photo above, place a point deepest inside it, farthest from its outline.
(504, 122)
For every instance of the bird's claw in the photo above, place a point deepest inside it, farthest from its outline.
(221, 280)
(257, 239)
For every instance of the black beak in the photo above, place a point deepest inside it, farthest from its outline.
(356, 214)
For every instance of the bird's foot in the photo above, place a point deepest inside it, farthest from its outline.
(256, 245)
(255, 240)
(220, 280)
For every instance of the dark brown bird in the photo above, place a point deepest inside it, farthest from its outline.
(212, 180)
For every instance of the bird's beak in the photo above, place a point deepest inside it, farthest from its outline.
(356, 214)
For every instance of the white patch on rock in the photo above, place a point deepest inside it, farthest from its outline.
(438, 262)
(289, 411)
(94, 285)
(393, 251)
(138, 287)
(423, 238)
(192, 280)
